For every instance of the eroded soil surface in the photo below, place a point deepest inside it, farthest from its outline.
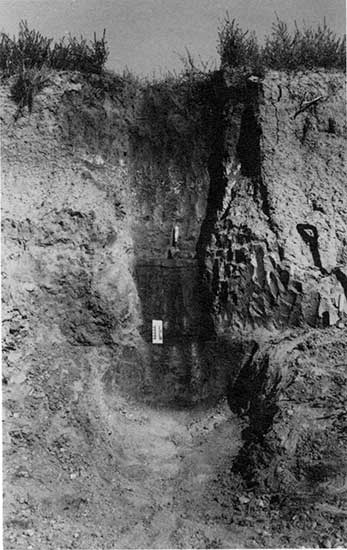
(153, 492)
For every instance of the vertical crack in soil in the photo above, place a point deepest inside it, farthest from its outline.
(342, 278)
(249, 151)
(309, 235)
(218, 183)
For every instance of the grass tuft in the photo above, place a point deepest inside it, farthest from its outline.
(31, 55)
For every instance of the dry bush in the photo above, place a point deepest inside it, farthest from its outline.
(238, 48)
(33, 50)
(306, 48)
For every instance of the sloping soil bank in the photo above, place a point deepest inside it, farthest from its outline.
(295, 442)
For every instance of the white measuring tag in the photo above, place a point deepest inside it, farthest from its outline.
(157, 332)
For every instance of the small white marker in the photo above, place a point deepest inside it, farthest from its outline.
(176, 233)
(157, 331)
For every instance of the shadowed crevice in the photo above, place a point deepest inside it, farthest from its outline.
(309, 235)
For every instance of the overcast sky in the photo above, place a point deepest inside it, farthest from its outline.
(148, 35)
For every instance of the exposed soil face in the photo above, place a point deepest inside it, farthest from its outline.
(113, 442)
(85, 466)
(275, 252)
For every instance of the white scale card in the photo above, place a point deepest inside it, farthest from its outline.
(157, 332)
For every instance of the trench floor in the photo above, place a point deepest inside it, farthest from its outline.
(157, 482)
